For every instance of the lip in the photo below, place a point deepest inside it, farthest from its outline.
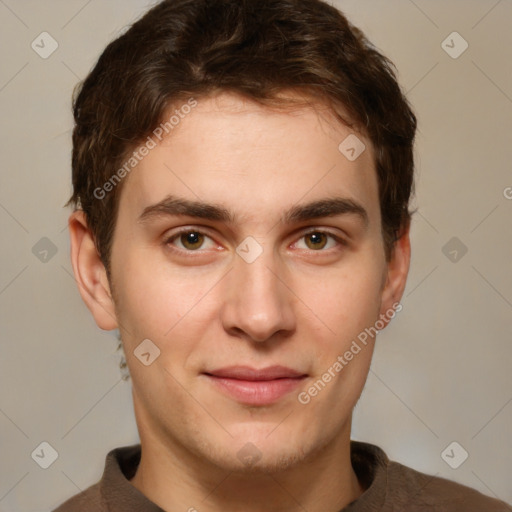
(253, 386)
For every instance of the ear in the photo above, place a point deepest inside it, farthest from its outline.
(90, 273)
(397, 271)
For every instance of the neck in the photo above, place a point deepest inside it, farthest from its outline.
(175, 479)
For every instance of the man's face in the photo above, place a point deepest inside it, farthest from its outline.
(294, 295)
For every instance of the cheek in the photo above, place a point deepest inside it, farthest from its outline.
(345, 301)
(163, 304)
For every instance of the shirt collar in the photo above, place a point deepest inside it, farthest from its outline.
(369, 463)
(117, 491)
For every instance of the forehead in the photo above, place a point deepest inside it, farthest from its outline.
(255, 160)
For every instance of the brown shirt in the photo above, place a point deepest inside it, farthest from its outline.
(390, 487)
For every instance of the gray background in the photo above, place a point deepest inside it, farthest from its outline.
(441, 371)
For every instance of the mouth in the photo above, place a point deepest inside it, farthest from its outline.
(252, 386)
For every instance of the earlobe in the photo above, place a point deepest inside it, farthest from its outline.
(397, 271)
(90, 273)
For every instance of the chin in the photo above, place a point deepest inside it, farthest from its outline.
(251, 460)
(262, 450)
(272, 463)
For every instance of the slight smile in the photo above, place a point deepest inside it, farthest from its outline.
(256, 387)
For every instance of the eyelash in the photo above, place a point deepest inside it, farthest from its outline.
(183, 231)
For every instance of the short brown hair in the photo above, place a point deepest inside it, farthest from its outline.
(258, 48)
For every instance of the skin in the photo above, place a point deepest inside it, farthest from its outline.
(299, 304)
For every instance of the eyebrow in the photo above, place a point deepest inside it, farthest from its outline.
(329, 207)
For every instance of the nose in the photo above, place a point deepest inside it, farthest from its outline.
(258, 304)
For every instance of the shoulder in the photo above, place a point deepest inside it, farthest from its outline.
(419, 491)
(113, 487)
(84, 501)
(392, 487)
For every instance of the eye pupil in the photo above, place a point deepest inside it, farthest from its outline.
(317, 240)
(192, 240)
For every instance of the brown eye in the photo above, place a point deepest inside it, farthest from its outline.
(319, 241)
(192, 240)
(187, 241)
(316, 240)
